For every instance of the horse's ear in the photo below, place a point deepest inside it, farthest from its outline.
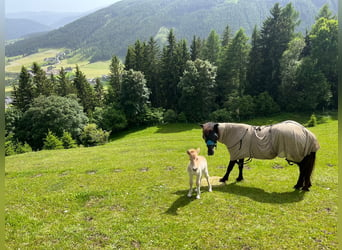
(216, 126)
(198, 150)
(201, 125)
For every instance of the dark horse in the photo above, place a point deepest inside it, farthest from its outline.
(287, 139)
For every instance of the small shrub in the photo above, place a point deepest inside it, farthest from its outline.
(92, 136)
(181, 117)
(9, 148)
(52, 142)
(220, 115)
(313, 121)
(68, 141)
(110, 118)
(265, 105)
(170, 116)
(152, 116)
(22, 148)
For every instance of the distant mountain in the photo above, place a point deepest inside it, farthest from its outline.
(110, 30)
(18, 28)
(21, 24)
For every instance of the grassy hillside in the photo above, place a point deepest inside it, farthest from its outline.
(131, 193)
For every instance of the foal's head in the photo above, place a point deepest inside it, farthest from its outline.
(210, 135)
(193, 153)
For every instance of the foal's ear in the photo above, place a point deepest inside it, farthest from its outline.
(201, 125)
(198, 150)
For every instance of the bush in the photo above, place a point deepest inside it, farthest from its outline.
(151, 116)
(110, 118)
(9, 147)
(14, 147)
(313, 121)
(52, 142)
(22, 148)
(170, 116)
(67, 140)
(265, 105)
(92, 136)
(220, 115)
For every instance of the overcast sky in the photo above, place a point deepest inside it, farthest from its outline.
(55, 5)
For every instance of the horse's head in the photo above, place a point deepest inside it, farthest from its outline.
(210, 135)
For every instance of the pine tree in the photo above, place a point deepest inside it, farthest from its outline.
(152, 71)
(42, 84)
(170, 74)
(211, 49)
(277, 31)
(63, 84)
(115, 77)
(99, 92)
(195, 48)
(231, 75)
(130, 58)
(254, 85)
(85, 92)
(226, 37)
(24, 92)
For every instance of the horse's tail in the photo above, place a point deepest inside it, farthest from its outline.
(309, 164)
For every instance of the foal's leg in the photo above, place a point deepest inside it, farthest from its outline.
(190, 183)
(240, 177)
(229, 169)
(207, 177)
(198, 184)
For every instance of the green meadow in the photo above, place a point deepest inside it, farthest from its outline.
(91, 70)
(131, 193)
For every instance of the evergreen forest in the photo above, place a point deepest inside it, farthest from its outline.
(224, 77)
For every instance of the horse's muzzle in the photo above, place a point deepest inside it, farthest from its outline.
(211, 150)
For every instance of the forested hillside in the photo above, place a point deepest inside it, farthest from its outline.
(110, 30)
(219, 78)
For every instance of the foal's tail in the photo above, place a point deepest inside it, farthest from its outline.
(309, 164)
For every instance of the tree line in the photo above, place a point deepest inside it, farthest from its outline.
(221, 78)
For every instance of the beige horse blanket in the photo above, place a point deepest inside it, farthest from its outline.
(287, 139)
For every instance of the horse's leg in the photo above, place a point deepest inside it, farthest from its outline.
(309, 163)
(229, 169)
(300, 181)
(240, 177)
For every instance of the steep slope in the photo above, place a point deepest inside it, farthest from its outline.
(110, 30)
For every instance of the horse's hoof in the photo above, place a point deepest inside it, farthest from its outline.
(222, 180)
(239, 179)
(297, 187)
(306, 189)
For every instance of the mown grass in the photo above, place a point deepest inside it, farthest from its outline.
(131, 193)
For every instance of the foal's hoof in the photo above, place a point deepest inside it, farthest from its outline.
(306, 189)
(239, 179)
(297, 187)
